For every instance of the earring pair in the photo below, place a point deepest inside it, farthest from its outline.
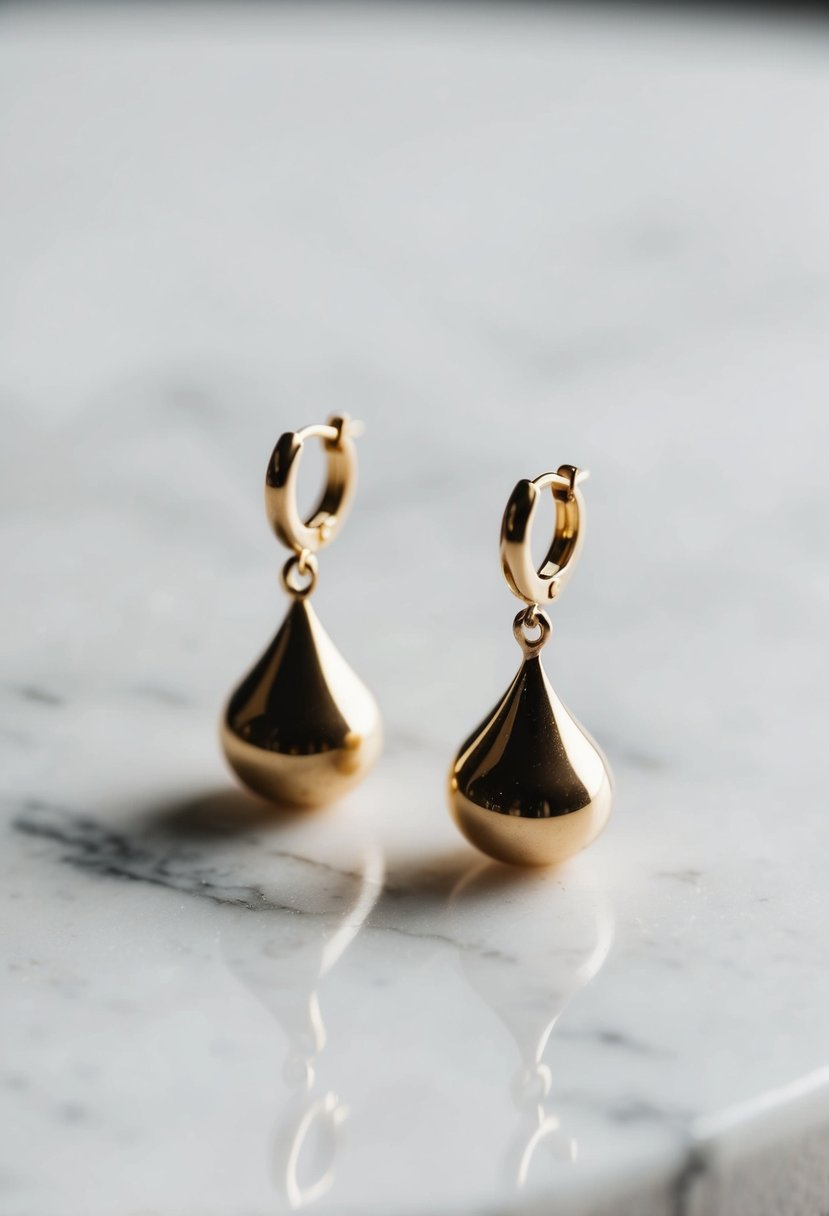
(529, 786)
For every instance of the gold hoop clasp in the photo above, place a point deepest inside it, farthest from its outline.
(541, 586)
(311, 534)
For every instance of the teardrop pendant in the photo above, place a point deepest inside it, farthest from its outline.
(530, 786)
(301, 728)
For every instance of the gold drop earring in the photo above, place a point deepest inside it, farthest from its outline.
(530, 786)
(301, 729)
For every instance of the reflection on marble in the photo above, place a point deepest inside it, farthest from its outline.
(505, 238)
(286, 967)
(559, 936)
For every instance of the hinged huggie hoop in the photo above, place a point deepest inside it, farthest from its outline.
(543, 585)
(322, 525)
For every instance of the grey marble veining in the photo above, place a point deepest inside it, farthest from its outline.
(506, 239)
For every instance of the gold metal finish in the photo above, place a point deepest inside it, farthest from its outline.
(302, 729)
(530, 786)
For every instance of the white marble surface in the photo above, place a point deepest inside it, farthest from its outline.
(506, 240)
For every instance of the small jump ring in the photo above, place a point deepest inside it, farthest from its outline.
(532, 618)
(303, 563)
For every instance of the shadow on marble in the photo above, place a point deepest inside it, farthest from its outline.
(219, 846)
(219, 813)
(429, 881)
(424, 880)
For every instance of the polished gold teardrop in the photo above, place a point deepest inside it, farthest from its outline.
(301, 729)
(530, 786)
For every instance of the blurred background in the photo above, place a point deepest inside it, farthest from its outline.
(505, 237)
